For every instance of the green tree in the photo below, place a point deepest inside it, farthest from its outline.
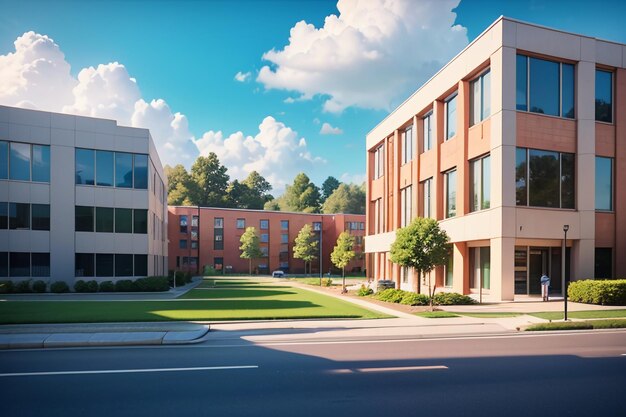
(342, 255)
(347, 198)
(250, 248)
(305, 246)
(236, 194)
(272, 205)
(421, 245)
(211, 179)
(181, 188)
(302, 196)
(328, 186)
(258, 191)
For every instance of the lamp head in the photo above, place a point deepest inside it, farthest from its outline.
(565, 227)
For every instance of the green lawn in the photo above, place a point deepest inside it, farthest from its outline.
(594, 314)
(580, 325)
(490, 315)
(436, 314)
(216, 300)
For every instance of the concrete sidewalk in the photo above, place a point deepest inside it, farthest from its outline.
(100, 334)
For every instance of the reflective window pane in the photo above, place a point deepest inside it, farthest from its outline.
(4, 264)
(85, 166)
(485, 266)
(475, 185)
(141, 171)
(521, 180)
(486, 95)
(140, 221)
(486, 183)
(604, 96)
(451, 117)
(104, 219)
(475, 105)
(40, 216)
(567, 181)
(567, 90)
(41, 163)
(104, 264)
(84, 219)
(41, 264)
(521, 83)
(84, 265)
(19, 216)
(4, 215)
(427, 132)
(123, 170)
(20, 161)
(4, 160)
(543, 178)
(544, 87)
(141, 265)
(104, 168)
(123, 220)
(123, 265)
(19, 263)
(451, 194)
(604, 183)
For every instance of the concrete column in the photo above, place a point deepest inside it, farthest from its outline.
(502, 268)
(460, 280)
(620, 172)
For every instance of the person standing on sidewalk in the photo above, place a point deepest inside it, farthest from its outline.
(545, 285)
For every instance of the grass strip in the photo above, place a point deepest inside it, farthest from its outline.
(593, 314)
(436, 314)
(494, 315)
(580, 325)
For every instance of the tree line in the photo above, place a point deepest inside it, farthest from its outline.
(208, 184)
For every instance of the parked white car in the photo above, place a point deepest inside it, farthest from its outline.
(278, 274)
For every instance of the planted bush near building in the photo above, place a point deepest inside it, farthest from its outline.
(39, 286)
(413, 299)
(106, 286)
(59, 287)
(327, 282)
(603, 292)
(452, 298)
(124, 285)
(410, 298)
(151, 284)
(22, 287)
(6, 287)
(86, 286)
(364, 291)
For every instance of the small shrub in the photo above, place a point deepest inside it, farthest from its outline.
(209, 271)
(106, 286)
(59, 287)
(413, 299)
(390, 295)
(39, 286)
(152, 284)
(604, 292)
(124, 285)
(452, 298)
(364, 291)
(80, 286)
(6, 287)
(327, 282)
(22, 286)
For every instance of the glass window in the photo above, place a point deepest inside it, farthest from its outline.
(284, 225)
(4, 160)
(379, 162)
(140, 221)
(84, 219)
(604, 184)
(406, 205)
(123, 220)
(4, 264)
(428, 132)
(40, 216)
(123, 170)
(450, 270)
(4, 215)
(544, 86)
(194, 244)
(426, 189)
(84, 166)
(604, 263)
(264, 252)
(480, 99)
(521, 180)
(521, 83)
(480, 184)
(19, 216)
(218, 223)
(407, 145)
(183, 223)
(104, 219)
(182, 243)
(104, 168)
(485, 266)
(141, 265)
(40, 264)
(141, 171)
(84, 265)
(451, 193)
(241, 223)
(123, 265)
(284, 238)
(265, 224)
(19, 263)
(41, 163)
(543, 178)
(265, 237)
(567, 91)
(19, 162)
(104, 264)
(567, 181)
(195, 221)
(451, 117)
(604, 96)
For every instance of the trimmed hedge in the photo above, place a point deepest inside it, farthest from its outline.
(602, 291)
(452, 298)
(22, 287)
(6, 287)
(392, 295)
(124, 285)
(39, 286)
(150, 284)
(59, 287)
(413, 299)
(364, 291)
(106, 286)
(86, 286)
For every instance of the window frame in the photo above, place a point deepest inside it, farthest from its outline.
(480, 80)
(447, 197)
(427, 132)
(407, 145)
(452, 97)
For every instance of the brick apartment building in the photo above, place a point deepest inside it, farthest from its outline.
(210, 236)
(519, 135)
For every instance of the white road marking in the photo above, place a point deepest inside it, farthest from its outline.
(390, 369)
(129, 371)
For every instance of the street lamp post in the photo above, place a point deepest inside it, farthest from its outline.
(563, 279)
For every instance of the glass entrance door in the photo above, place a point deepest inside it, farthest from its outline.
(537, 266)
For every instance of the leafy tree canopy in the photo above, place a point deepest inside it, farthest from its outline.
(212, 180)
(305, 246)
(347, 198)
(328, 186)
(250, 247)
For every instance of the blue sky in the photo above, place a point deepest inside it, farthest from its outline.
(187, 53)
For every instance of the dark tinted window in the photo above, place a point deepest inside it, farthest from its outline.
(521, 78)
(84, 219)
(85, 166)
(41, 264)
(20, 264)
(4, 264)
(123, 265)
(84, 265)
(141, 265)
(141, 171)
(141, 221)
(41, 163)
(543, 178)
(604, 263)
(521, 179)
(104, 264)
(604, 96)
(4, 160)
(104, 168)
(104, 219)
(20, 161)
(567, 90)
(182, 243)
(123, 220)
(604, 184)
(123, 170)
(544, 86)
(4, 215)
(567, 181)
(40, 216)
(19, 216)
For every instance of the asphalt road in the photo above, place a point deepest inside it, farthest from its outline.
(573, 374)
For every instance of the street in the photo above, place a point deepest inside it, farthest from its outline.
(572, 374)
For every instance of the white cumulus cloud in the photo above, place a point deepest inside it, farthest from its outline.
(327, 129)
(372, 55)
(242, 77)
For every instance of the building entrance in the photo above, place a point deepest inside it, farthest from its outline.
(532, 262)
